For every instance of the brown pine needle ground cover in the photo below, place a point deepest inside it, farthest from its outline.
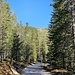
(7, 69)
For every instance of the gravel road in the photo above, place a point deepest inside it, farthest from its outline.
(35, 69)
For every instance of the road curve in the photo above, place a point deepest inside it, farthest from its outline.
(35, 69)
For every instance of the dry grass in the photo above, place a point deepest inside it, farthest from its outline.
(60, 70)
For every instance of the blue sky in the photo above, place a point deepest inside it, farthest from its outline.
(36, 12)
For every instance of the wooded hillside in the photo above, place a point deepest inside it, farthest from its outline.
(20, 42)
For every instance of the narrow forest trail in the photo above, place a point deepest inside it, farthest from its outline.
(35, 69)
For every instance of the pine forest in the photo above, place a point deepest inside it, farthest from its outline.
(54, 47)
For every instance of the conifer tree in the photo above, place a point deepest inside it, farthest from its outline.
(16, 47)
(60, 36)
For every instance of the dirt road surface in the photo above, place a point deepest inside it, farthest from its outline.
(35, 69)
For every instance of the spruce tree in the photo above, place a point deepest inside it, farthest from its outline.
(60, 36)
(16, 47)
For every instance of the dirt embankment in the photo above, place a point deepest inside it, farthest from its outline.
(7, 69)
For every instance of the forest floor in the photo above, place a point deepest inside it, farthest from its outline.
(7, 69)
(57, 71)
(20, 68)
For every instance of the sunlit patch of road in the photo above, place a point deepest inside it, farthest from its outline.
(35, 69)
